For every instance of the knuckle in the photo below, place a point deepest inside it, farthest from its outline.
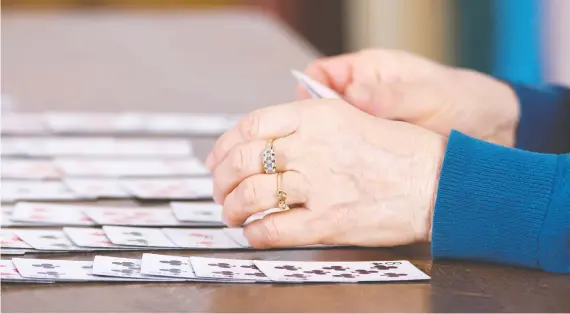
(269, 231)
(250, 195)
(239, 159)
(250, 127)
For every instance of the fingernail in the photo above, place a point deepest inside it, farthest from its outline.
(358, 93)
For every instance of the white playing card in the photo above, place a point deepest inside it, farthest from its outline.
(197, 211)
(236, 234)
(6, 220)
(36, 191)
(124, 267)
(9, 239)
(29, 169)
(340, 271)
(200, 238)
(92, 238)
(316, 89)
(58, 270)
(194, 188)
(92, 167)
(96, 188)
(13, 251)
(94, 123)
(167, 266)
(22, 123)
(132, 236)
(139, 216)
(54, 214)
(198, 124)
(227, 269)
(47, 240)
(9, 273)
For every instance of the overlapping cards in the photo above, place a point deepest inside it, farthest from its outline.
(157, 267)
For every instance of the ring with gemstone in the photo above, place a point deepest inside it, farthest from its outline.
(268, 157)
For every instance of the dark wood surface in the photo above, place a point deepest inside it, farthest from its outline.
(230, 62)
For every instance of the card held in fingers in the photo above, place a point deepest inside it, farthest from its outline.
(340, 271)
(228, 269)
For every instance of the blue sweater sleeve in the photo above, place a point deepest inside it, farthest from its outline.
(544, 124)
(503, 205)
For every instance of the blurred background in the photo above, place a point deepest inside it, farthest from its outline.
(521, 40)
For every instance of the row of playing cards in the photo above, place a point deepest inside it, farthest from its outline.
(178, 214)
(194, 188)
(87, 167)
(154, 268)
(71, 239)
(95, 147)
(93, 123)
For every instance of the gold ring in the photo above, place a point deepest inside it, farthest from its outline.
(268, 158)
(281, 195)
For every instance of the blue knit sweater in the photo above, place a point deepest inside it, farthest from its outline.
(507, 205)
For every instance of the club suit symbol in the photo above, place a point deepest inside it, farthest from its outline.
(299, 276)
(287, 267)
(128, 265)
(256, 274)
(365, 271)
(51, 237)
(336, 268)
(221, 265)
(316, 272)
(46, 266)
(227, 273)
(393, 275)
(172, 270)
(172, 262)
(133, 233)
(383, 267)
(51, 273)
(345, 276)
(248, 266)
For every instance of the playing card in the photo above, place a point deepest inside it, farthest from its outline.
(138, 216)
(6, 220)
(22, 123)
(236, 234)
(197, 211)
(94, 122)
(58, 270)
(9, 239)
(13, 251)
(94, 238)
(50, 240)
(9, 273)
(167, 266)
(53, 214)
(340, 271)
(193, 238)
(147, 237)
(316, 89)
(226, 269)
(196, 124)
(36, 191)
(29, 169)
(193, 188)
(124, 267)
(93, 167)
(96, 188)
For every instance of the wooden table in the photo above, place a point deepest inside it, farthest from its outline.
(231, 62)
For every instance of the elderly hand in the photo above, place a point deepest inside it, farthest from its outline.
(400, 86)
(356, 179)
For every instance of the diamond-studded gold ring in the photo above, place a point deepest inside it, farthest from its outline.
(268, 157)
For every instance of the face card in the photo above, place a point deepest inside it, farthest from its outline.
(227, 269)
(52, 214)
(141, 216)
(200, 238)
(92, 238)
(93, 167)
(131, 236)
(316, 89)
(36, 191)
(340, 271)
(29, 169)
(96, 188)
(9, 273)
(58, 270)
(47, 240)
(197, 211)
(124, 267)
(194, 188)
(11, 240)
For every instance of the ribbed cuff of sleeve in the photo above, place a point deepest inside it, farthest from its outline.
(491, 202)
